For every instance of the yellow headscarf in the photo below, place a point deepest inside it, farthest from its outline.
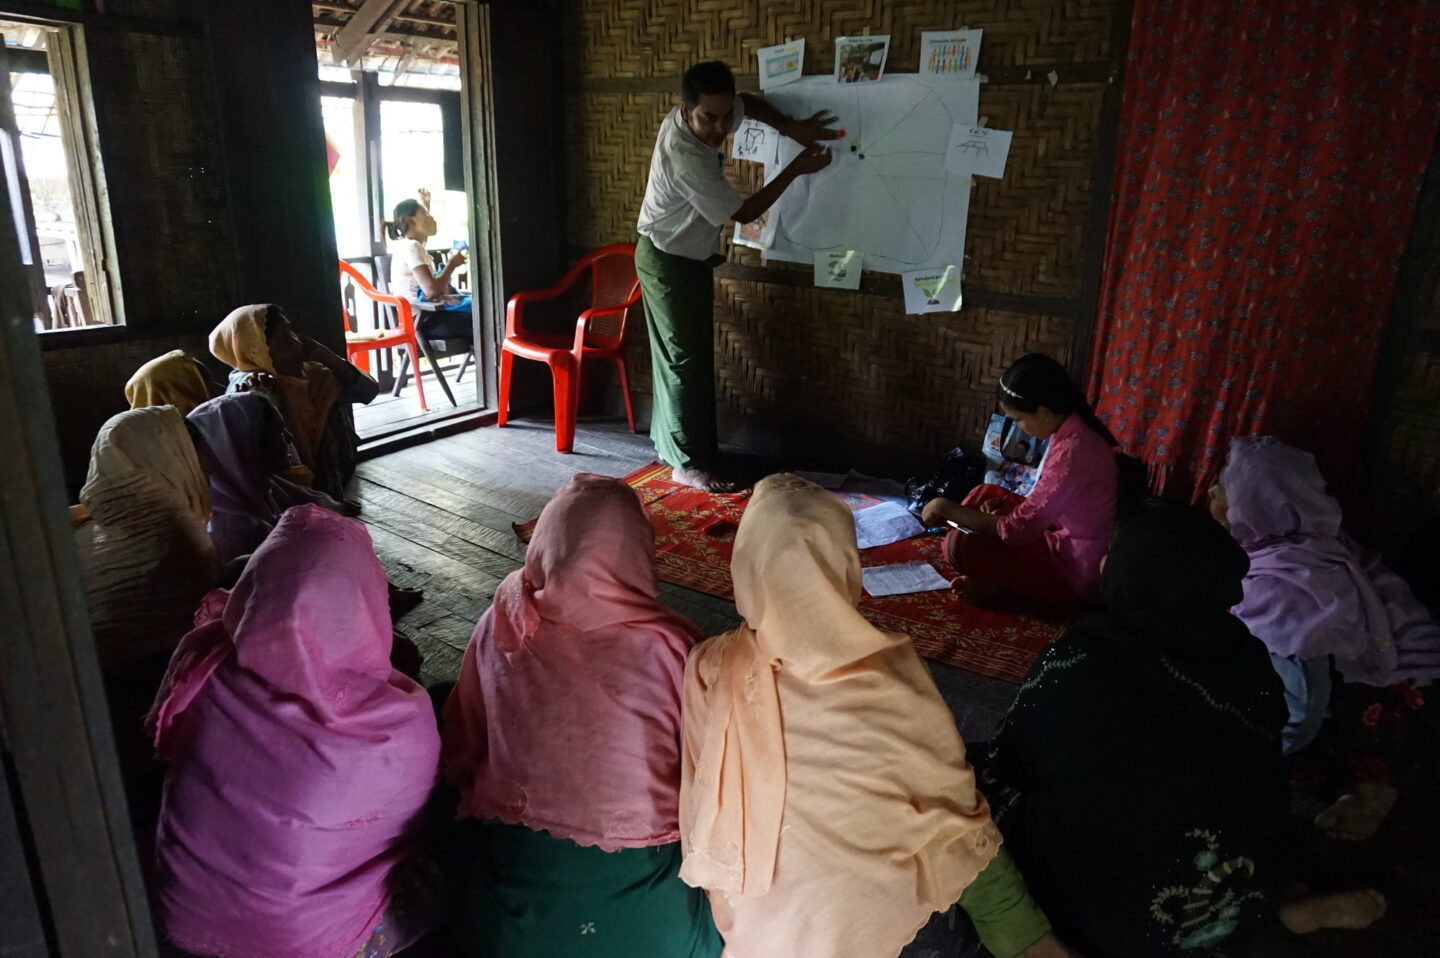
(173, 379)
(825, 800)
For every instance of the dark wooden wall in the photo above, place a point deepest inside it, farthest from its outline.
(210, 136)
(800, 367)
(1402, 476)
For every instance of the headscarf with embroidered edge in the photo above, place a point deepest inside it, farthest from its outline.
(580, 629)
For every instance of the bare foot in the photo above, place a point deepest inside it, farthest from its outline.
(1346, 909)
(705, 481)
(974, 590)
(1358, 816)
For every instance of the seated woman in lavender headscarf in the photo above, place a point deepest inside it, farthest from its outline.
(1317, 599)
(242, 445)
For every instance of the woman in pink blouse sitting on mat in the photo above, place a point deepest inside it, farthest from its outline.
(1045, 548)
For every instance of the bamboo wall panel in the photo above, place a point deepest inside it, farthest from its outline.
(854, 364)
(660, 38)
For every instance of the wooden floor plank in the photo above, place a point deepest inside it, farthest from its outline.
(428, 505)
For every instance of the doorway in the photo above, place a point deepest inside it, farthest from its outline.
(396, 132)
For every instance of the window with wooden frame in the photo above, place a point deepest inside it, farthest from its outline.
(53, 176)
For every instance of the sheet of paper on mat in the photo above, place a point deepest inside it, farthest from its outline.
(902, 579)
(883, 524)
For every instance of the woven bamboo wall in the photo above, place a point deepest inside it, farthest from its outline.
(851, 364)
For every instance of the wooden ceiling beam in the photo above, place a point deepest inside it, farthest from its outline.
(407, 17)
(360, 30)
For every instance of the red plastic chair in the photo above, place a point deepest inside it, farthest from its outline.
(359, 345)
(599, 334)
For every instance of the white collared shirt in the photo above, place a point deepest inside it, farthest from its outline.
(687, 198)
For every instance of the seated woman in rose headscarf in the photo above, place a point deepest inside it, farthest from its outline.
(242, 445)
(1138, 774)
(826, 804)
(563, 737)
(298, 760)
(1317, 600)
(174, 379)
(312, 387)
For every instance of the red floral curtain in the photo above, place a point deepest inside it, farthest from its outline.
(1269, 158)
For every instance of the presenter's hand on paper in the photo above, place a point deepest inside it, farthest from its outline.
(809, 132)
(812, 160)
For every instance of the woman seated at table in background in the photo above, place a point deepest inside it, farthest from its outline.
(563, 737)
(1045, 547)
(412, 276)
(311, 387)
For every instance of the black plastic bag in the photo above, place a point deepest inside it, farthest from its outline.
(953, 478)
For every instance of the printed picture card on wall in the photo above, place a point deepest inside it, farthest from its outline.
(838, 268)
(758, 233)
(861, 59)
(949, 54)
(978, 151)
(781, 64)
(932, 290)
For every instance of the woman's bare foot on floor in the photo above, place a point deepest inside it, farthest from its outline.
(705, 481)
(1359, 815)
(1351, 910)
(974, 590)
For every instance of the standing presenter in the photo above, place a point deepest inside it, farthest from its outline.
(687, 201)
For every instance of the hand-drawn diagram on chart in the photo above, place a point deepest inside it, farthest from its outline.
(754, 141)
(886, 191)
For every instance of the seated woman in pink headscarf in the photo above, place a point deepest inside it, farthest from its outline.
(563, 737)
(826, 803)
(1045, 547)
(1319, 601)
(299, 760)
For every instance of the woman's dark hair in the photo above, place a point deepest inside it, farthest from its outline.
(1036, 380)
(712, 76)
(402, 218)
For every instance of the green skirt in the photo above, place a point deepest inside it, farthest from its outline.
(536, 896)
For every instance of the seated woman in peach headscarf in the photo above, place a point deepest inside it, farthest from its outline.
(826, 803)
(311, 386)
(563, 737)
